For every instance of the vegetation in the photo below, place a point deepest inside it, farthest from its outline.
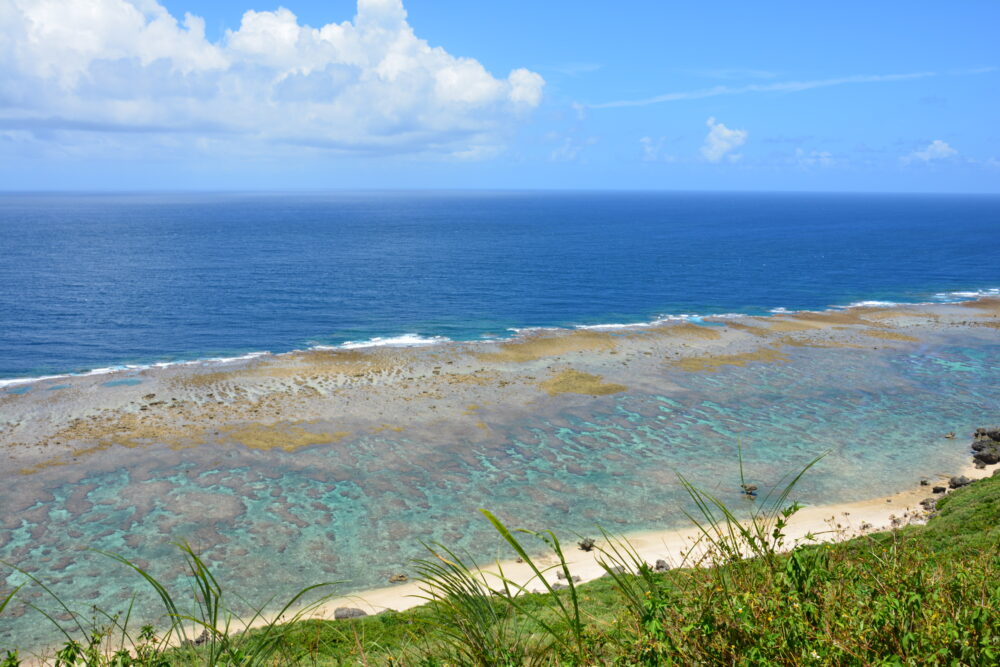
(916, 595)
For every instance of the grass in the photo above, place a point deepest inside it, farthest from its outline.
(916, 595)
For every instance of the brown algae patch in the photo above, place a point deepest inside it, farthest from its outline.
(788, 326)
(889, 335)
(539, 347)
(756, 331)
(122, 430)
(287, 437)
(128, 430)
(991, 306)
(304, 366)
(811, 342)
(810, 320)
(577, 382)
(712, 363)
(686, 330)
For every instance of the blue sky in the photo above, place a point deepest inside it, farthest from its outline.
(852, 96)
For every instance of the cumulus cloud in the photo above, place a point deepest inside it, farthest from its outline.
(122, 67)
(936, 150)
(721, 141)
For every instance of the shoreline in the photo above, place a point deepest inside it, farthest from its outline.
(835, 522)
(417, 340)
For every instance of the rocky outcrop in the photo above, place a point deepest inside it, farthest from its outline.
(342, 613)
(958, 482)
(988, 433)
(986, 446)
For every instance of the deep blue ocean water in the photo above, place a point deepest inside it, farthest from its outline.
(90, 281)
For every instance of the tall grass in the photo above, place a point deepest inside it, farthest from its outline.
(209, 632)
(474, 620)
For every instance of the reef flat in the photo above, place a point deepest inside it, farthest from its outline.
(294, 468)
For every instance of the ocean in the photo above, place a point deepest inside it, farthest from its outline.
(90, 283)
(98, 281)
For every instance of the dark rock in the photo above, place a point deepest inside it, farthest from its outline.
(979, 465)
(199, 640)
(928, 503)
(586, 544)
(398, 578)
(925, 482)
(958, 482)
(939, 489)
(661, 566)
(990, 433)
(341, 613)
(558, 587)
(749, 490)
(950, 435)
(989, 455)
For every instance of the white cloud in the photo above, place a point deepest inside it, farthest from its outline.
(570, 148)
(936, 150)
(721, 141)
(652, 150)
(785, 87)
(129, 68)
(814, 158)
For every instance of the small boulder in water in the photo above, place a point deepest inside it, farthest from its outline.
(586, 544)
(397, 578)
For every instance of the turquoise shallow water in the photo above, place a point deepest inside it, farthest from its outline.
(357, 511)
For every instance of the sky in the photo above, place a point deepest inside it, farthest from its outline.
(336, 94)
